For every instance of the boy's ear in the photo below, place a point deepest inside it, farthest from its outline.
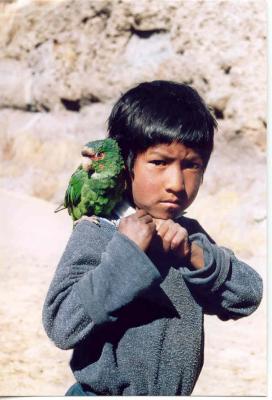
(129, 178)
(130, 173)
(202, 176)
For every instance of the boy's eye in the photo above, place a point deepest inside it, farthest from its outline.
(158, 162)
(192, 165)
(196, 166)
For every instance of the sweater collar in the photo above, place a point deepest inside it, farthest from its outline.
(123, 209)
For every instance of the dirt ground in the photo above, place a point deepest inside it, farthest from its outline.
(32, 239)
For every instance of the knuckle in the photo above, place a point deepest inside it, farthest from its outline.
(174, 245)
(145, 228)
(182, 232)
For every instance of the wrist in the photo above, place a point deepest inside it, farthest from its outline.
(196, 256)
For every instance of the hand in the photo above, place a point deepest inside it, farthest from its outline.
(138, 227)
(175, 238)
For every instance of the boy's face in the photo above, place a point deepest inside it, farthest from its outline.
(166, 179)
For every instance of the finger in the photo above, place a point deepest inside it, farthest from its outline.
(140, 212)
(146, 218)
(169, 237)
(176, 234)
(181, 244)
(163, 227)
(168, 228)
(177, 240)
(158, 222)
(152, 226)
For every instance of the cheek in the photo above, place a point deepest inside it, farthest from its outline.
(142, 185)
(144, 188)
(194, 185)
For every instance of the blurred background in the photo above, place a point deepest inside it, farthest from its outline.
(63, 63)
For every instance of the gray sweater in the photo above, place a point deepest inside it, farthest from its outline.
(135, 320)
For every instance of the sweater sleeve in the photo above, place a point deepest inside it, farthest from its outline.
(225, 286)
(84, 295)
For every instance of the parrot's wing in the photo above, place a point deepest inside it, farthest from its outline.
(73, 192)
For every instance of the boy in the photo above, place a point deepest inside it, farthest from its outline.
(129, 295)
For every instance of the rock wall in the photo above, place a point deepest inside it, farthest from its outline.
(63, 64)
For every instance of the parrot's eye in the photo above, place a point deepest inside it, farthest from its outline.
(99, 155)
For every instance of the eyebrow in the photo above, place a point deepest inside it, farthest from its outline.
(159, 153)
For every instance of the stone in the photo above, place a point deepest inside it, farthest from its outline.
(63, 65)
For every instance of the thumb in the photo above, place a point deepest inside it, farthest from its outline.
(158, 222)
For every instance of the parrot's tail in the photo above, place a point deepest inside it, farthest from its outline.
(60, 208)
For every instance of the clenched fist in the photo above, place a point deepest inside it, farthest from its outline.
(175, 238)
(138, 227)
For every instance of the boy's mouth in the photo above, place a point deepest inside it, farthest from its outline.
(171, 201)
(166, 210)
(171, 206)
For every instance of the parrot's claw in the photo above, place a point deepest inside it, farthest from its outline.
(93, 219)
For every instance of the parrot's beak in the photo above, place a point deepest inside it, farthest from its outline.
(86, 161)
(87, 152)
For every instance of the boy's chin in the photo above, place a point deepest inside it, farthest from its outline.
(170, 214)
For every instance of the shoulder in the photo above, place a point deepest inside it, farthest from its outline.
(193, 226)
(85, 230)
(88, 240)
(100, 226)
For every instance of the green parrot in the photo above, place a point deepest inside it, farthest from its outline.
(98, 183)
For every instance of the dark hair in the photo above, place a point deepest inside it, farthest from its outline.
(161, 112)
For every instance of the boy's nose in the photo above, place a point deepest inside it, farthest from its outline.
(175, 180)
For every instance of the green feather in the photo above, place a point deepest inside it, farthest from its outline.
(97, 191)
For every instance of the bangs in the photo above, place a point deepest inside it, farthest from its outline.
(149, 129)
